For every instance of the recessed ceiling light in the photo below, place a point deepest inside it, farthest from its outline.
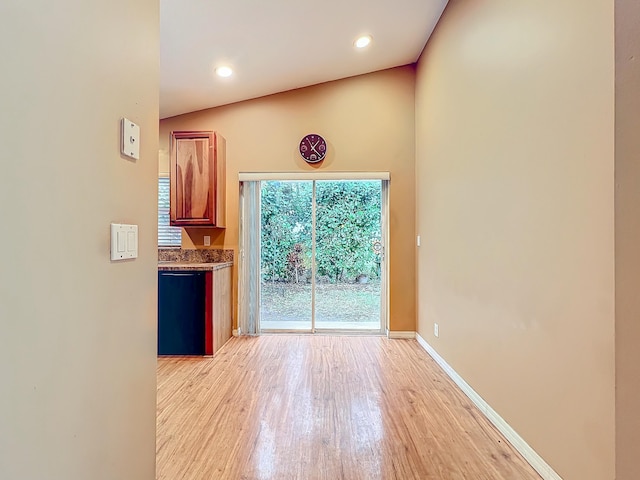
(362, 41)
(224, 71)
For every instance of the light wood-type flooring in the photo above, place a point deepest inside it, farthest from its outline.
(306, 407)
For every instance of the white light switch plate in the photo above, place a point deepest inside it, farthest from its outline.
(124, 241)
(130, 139)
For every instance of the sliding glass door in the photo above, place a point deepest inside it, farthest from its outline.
(286, 294)
(348, 255)
(319, 264)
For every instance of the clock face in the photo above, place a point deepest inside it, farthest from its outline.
(313, 148)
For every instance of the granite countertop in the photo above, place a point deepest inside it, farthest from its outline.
(198, 266)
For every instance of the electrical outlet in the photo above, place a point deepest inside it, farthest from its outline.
(207, 241)
(436, 330)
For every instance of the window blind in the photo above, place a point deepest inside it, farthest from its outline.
(249, 259)
(168, 236)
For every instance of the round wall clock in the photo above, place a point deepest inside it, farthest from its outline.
(313, 148)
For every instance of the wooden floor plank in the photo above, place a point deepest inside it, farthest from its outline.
(323, 408)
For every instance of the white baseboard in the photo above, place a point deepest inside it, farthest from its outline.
(530, 455)
(400, 334)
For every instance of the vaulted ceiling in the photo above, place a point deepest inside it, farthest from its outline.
(278, 45)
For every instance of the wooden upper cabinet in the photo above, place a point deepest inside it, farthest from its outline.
(198, 180)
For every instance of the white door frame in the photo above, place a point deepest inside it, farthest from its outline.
(248, 302)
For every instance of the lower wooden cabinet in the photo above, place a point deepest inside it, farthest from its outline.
(194, 311)
(222, 307)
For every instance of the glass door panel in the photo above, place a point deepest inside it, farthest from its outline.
(285, 255)
(348, 255)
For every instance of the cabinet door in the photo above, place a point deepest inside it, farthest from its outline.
(197, 167)
(222, 307)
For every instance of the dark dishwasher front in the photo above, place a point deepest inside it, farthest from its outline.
(181, 313)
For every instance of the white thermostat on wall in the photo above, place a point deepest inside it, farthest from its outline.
(124, 241)
(130, 145)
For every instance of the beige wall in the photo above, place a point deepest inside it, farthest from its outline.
(515, 162)
(368, 122)
(77, 333)
(627, 239)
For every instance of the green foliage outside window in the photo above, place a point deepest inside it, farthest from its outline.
(347, 225)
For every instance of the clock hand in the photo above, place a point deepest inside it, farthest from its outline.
(313, 147)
